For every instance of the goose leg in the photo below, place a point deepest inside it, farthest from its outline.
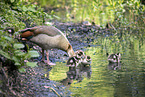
(48, 62)
(47, 56)
(43, 57)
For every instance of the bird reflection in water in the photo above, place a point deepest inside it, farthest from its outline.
(79, 67)
(114, 61)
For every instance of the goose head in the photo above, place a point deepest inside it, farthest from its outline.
(80, 54)
(70, 51)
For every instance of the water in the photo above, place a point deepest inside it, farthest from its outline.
(126, 81)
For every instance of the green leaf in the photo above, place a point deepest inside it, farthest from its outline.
(31, 64)
(8, 38)
(6, 55)
(19, 53)
(33, 53)
(12, 1)
(18, 45)
(22, 70)
(24, 8)
(17, 63)
(27, 56)
(15, 59)
(31, 9)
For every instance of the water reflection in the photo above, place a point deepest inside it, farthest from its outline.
(114, 61)
(77, 73)
(114, 66)
(121, 78)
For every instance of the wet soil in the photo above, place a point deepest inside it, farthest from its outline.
(35, 82)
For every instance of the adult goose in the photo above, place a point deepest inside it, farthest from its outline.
(47, 37)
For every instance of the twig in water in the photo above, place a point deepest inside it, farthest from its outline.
(52, 90)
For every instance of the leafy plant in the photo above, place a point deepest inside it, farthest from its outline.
(11, 49)
(19, 16)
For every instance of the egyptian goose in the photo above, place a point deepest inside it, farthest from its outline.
(112, 58)
(47, 37)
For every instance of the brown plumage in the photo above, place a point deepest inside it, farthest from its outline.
(47, 37)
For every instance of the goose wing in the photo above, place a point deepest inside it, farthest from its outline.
(34, 31)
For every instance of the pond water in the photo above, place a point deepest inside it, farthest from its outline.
(126, 81)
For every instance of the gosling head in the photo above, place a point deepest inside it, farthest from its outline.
(87, 60)
(72, 62)
(112, 58)
(80, 54)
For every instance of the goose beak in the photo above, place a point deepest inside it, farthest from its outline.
(70, 51)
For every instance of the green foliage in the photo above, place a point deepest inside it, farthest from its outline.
(22, 69)
(19, 16)
(22, 14)
(32, 64)
(33, 53)
(122, 12)
(18, 45)
(11, 49)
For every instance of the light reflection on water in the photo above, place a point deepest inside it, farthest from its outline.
(127, 81)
